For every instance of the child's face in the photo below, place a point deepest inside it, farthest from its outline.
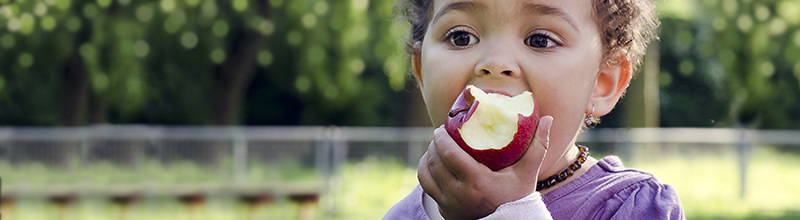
(549, 47)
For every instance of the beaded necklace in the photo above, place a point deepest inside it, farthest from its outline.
(560, 177)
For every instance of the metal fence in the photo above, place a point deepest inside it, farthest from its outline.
(159, 160)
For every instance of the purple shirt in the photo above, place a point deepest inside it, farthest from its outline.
(607, 190)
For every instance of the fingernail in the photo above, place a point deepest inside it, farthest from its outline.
(547, 121)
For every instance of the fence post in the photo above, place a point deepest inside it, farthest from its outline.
(84, 147)
(338, 144)
(413, 151)
(239, 155)
(322, 157)
(744, 148)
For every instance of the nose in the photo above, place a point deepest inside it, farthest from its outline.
(498, 62)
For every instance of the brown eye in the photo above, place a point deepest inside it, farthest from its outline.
(462, 39)
(540, 41)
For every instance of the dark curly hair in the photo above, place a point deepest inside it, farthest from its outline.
(625, 26)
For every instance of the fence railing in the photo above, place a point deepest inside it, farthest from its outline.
(379, 134)
(232, 152)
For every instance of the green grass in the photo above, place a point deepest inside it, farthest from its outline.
(708, 184)
(366, 190)
(104, 173)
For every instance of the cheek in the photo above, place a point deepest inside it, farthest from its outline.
(569, 75)
(562, 86)
(567, 94)
(444, 78)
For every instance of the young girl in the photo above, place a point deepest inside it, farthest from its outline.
(577, 57)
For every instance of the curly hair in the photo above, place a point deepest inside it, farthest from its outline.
(626, 26)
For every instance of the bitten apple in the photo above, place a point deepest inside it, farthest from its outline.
(493, 128)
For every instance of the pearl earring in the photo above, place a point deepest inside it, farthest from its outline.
(588, 120)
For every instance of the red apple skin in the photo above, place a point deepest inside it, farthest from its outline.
(495, 159)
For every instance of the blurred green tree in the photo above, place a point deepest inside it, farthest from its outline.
(732, 63)
(728, 63)
(77, 62)
(305, 62)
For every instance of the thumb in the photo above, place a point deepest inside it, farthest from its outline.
(528, 166)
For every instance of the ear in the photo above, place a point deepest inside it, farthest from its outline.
(612, 81)
(416, 63)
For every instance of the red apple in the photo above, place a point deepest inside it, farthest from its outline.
(493, 128)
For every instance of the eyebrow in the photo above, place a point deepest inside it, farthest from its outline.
(532, 8)
(527, 8)
(457, 6)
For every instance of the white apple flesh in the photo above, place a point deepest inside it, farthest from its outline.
(493, 128)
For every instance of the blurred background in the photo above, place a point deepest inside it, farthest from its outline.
(304, 109)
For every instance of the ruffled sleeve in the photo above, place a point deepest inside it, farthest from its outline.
(647, 199)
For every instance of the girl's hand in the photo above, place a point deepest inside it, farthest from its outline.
(466, 189)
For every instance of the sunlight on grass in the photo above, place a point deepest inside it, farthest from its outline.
(362, 190)
(707, 182)
(366, 190)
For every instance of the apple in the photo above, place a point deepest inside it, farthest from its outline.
(493, 128)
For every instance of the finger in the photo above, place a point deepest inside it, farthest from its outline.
(426, 179)
(461, 164)
(441, 174)
(531, 161)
